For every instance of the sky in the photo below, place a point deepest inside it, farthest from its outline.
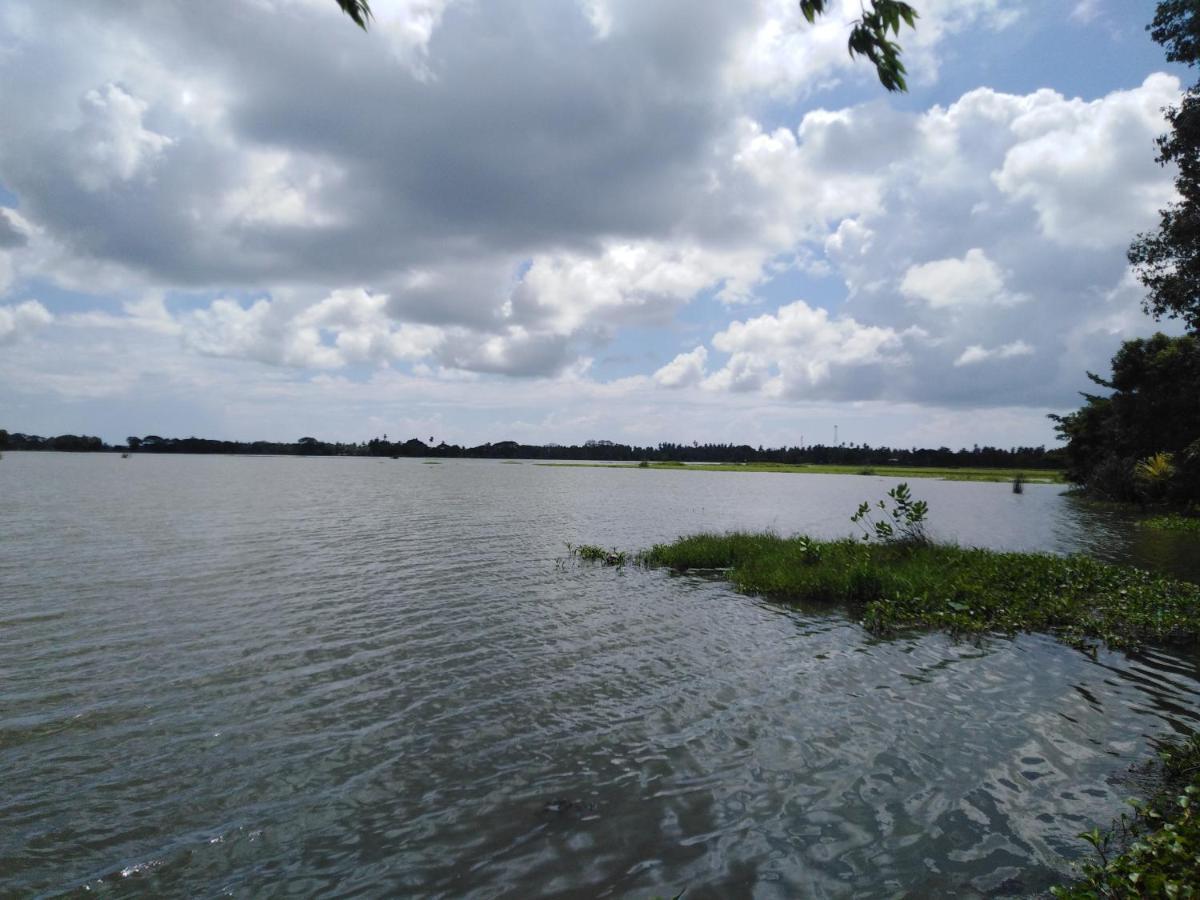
(553, 221)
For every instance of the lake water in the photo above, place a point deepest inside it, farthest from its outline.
(361, 677)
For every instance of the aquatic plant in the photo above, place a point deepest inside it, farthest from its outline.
(907, 515)
(596, 553)
(1161, 842)
(892, 587)
(1173, 522)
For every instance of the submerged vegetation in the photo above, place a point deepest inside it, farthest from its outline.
(1173, 522)
(595, 553)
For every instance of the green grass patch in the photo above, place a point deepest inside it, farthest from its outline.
(893, 587)
(1173, 522)
(1156, 853)
(947, 473)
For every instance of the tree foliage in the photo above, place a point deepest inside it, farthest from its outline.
(1142, 440)
(358, 10)
(869, 36)
(1167, 261)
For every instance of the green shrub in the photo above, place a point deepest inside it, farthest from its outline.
(907, 515)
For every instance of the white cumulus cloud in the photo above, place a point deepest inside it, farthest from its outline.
(973, 280)
(111, 143)
(684, 370)
(20, 320)
(796, 348)
(976, 353)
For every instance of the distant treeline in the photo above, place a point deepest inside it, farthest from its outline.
(847, 454)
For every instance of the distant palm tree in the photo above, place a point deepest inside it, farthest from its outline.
(358, 10)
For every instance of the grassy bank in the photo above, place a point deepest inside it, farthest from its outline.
(894, 586)
(1031, 476)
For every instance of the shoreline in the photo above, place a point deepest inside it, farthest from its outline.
(944, 473)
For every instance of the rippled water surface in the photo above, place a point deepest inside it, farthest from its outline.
(381, 678)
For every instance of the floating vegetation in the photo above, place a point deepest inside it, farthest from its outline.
(595, 553)
(511, 462)
(1173, 522)
(895, 586)
(1157, 851)
(432, 462)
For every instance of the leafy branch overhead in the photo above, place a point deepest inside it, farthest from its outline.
(358, 10)
(869, 36)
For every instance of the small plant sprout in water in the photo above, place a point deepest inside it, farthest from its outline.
(907, 525)
(592, 552)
